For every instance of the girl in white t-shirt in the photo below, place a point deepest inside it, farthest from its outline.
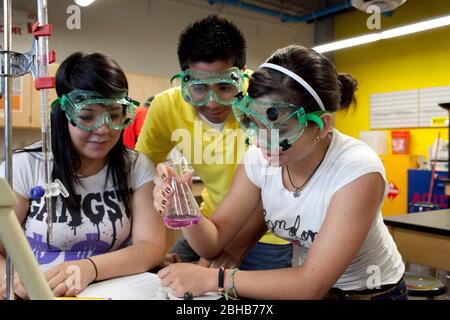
(107, 226)
(319, 188)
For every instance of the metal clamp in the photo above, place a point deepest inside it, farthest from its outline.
(21, 63)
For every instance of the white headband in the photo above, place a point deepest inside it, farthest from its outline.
(296, 78)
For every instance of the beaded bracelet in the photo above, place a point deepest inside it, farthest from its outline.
(232, 288)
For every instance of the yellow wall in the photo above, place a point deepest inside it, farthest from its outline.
(419, 60)
(397, 173)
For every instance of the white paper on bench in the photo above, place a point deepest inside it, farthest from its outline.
(143, 286)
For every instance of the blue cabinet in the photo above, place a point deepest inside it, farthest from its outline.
(418, 187)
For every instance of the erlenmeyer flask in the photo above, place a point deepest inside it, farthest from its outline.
(184, 211)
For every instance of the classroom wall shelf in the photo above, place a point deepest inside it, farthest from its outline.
(408, 108)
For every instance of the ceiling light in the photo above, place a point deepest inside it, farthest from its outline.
(84, 3)
(390, 33)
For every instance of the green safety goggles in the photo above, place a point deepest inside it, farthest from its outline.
(88, 110)
(273, 124)
(200, 87)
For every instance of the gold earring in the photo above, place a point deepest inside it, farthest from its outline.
(318, 138)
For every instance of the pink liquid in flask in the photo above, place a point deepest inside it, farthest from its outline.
(177, 221)
(184, 211)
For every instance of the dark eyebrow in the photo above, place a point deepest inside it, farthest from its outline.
(87, 109)
(116, 108)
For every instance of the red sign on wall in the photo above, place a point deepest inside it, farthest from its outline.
(393, 191)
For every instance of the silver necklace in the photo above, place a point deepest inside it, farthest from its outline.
(298, 190)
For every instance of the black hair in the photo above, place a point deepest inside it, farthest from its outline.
(336, 90)
(148, 102)
(210, 39)
(93, 72)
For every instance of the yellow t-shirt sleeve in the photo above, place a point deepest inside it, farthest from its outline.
(154, 138)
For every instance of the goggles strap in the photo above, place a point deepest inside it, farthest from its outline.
(315, 118)
(54, 103)
(135, 102)
(178, 75)
(182, 75)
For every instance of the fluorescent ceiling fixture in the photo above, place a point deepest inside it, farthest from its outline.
(347, 43)
(84, 3)
(391, 33)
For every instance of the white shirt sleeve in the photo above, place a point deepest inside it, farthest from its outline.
(25, 170)
(254, 166)
(361, 163)
(142, 171)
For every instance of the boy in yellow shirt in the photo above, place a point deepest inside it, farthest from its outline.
(198, 118)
